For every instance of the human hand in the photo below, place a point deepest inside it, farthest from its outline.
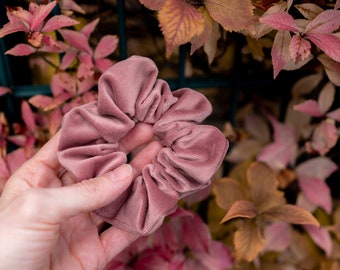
(45, 216)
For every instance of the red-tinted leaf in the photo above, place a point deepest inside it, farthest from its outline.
(153, 4)
(67, 59)
(15, 159)
(40, 15)
(291, 214)
(281, 21)
(321, 237)
(240, 209)
(299, 48)
(310, 107)
(4, 173)
(10, 28)
(280, 51)
(257, 127)
(317, 192)
(106, 46)
(233, 15)
(334, 114)
(76, 39)
(328, 43)
(71, 5)
(326, 22)
(248, 241)
(41, 101)
(57, 22)
(179, 22)
(332, 68)
(21, 50)
(23, 16)
(4, 90)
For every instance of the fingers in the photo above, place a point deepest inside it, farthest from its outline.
(87, 195)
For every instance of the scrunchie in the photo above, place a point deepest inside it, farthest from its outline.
(130, 93)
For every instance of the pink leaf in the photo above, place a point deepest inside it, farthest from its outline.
(106, 46)
(299, 48)
(21, 50)
(325, 137)
(76, 39)
(103, 64)
(54, 121)
(41, 101)
(334, 114)
(332, 69)
(10, 28)
(310, 107)
(4, 173)
(57, 22)
(284, 148)
(319, 167)
(326, 97)
(24, 17)
(326, 22)
(337, 4)
(277, 236)
(280, 51)
(4, 90)
(15, 159)
(281, 21)
(67, 60)
(328, 43)
(88, 29)
(40, 15)
(28, 116)
(71, 5)
(321, 237)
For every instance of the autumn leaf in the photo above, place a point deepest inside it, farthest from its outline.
(227, 191)
(179, 22)
(321, 237)
(232, 15)
(291, 214)
(241, 209)
(277, 236)
(280, 51)
(248, 241)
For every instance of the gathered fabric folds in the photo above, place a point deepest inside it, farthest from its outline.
(130, 93)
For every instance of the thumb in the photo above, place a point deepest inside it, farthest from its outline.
(89, 195)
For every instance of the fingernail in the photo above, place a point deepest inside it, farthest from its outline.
(122, 172)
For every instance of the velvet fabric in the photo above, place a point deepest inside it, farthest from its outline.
(130, 93)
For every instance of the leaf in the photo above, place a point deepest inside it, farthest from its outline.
(319, 167)
(284, 148)
(153, 4)
(299, 48)
(233, 15)
(10, 28)
(210, 46)
(317, 192)
(248, 241)
(334, 114)
(326, 22)
(21, 50)
(277, 236)
(41, 101)
(28, 116)
(257, 127)
(321, 237)
(76, 39)
(326, 97)
(179, 23)
(263, 187)
(325, 137)
(328, 43)
(106, 46)
(227, 191)
(244, 150)
(280, 51)
(71, 5)
(40, 14)
(240, 209)
(4, 90)
(88, 29)
(291, 214)
(309, 10)
(58, 21)
(305, 85)
(280, 20)
(332, 68)
(310, 107)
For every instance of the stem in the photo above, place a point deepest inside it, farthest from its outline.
(48, 61)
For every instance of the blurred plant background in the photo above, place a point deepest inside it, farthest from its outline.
(271, 70)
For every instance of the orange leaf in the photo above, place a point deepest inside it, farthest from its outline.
(241, 209)
(291, 214)
(179, 22)
(233, 15)
(248, 241)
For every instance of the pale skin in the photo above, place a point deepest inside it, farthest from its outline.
(46, 218)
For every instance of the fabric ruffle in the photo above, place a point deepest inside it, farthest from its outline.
(130, 93)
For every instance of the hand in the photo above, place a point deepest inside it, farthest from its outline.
(45, 216)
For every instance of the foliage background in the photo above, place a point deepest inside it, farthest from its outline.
(274, 203)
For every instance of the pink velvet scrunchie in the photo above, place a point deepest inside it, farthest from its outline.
(130, 93)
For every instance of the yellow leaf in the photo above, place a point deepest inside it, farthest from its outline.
(227, 191)
(248, 241)
(179, 22)
(233, 15)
